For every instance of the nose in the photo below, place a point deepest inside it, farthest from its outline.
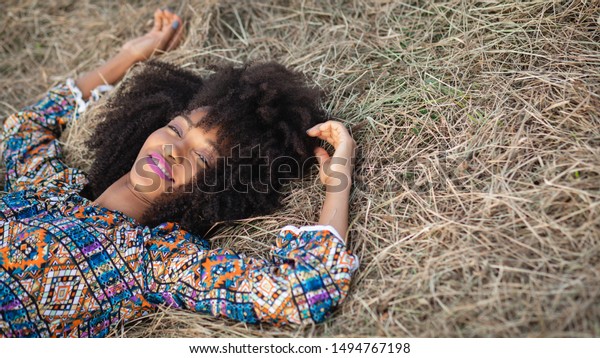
(171, 154)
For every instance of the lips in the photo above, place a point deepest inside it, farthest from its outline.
(159, 165)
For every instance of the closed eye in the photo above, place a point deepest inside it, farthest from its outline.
(175, 129)
(203, 159)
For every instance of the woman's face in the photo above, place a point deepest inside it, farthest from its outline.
(173, 154)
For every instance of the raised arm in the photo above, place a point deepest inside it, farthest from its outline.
(306, 278)
(29, 139)
(335, 173)
(164, 36)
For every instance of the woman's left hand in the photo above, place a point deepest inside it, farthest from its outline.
(164, 36)
(337, 169)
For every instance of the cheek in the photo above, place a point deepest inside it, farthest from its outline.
(183, 172)
(155, 139)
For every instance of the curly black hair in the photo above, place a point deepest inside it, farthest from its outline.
(261, 111)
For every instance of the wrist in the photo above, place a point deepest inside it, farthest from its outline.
(128, 56)
(340, 189)
(109, 73)
(339, 175)
(335, 211)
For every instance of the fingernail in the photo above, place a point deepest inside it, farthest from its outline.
(175, 24)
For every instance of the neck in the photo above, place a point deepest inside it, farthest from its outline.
(122, 197)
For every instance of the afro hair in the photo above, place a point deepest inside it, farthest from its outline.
(262, 112)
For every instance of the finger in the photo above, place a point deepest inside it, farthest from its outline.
(321, 155)
(168, 31)
(318, 129)
(313, 132)
(157, 21)
(335, 128)
(321, 135)
(337, 131)
(321, 125)
(328, 137)
(315, 127)
(329, 127)
(176, 39)
(163, 20)
(333, 132)
(322, 158)
(169, 14)
(324, 137)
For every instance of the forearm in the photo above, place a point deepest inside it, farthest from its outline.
(335, 209)
(109, 73)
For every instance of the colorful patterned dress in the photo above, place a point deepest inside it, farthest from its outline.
(72, 268)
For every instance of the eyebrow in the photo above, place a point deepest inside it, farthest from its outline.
(211, 142)
(188, 120)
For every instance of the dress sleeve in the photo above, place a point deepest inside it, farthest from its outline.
(29, 140)
(307, 277)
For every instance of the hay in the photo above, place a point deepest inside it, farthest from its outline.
(475, 210)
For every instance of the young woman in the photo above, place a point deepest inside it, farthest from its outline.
(176, 153)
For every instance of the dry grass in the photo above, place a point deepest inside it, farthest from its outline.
(476, 206)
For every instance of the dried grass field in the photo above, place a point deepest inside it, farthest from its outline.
(475, 209)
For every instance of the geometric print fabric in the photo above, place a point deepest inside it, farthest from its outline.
(71, 268)
(63, 292)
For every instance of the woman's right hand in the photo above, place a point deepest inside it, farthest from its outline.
(164, 36)
(335, 171)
